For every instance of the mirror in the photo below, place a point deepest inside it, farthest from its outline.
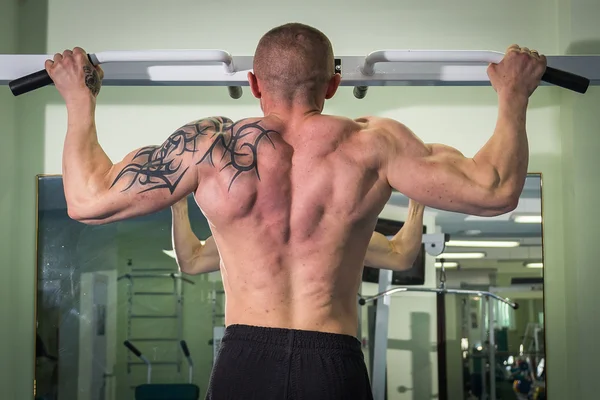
(100, 286)
(448, 346)
(502, 255)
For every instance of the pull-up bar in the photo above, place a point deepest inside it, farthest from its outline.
(554, 76)
(24, 73)
(41, 78)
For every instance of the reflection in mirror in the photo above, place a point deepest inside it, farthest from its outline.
(507, 260)
(446, 338)
(113, 308)
(99, 286)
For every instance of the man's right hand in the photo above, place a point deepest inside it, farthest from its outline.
(519, 72)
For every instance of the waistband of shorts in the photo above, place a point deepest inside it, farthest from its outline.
(295, 338)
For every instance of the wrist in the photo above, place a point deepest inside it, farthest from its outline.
(180, 208)
(84, 102)
(513, 97)
(81, 112)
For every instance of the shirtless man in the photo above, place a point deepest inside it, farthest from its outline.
(292, 198)
(399, 253)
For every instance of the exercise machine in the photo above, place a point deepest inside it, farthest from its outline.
(171, 391)
(434, 245)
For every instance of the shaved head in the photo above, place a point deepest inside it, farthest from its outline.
(294, 60)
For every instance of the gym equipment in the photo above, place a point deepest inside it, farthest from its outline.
(24, 73)
(434, 245)
(136, 320)
(157, 391)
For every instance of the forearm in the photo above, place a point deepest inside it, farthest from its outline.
(507, 151)
(407, 241)
(400, 252)
(85, 164)
(192, 256)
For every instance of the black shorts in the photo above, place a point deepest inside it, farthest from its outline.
(286, 364)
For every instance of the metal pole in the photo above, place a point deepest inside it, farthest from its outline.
(382, 316)
(359, 322)
(492, 349)
(483, 358)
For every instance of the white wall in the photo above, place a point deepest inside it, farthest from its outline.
(463, 117)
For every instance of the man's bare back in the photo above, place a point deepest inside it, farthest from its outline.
(292, 207)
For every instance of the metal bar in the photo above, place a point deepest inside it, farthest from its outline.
(492, 349)
(153, 293)
(152, 269)
(382, 314)
(464, 57)
(483, 322)
(154, 316)
(442, 350)
(174, 56)
(154, 363)
(436, 290)
(178, 294)
(154, 339)
(359, 322)
(171, 275)
(386, 74)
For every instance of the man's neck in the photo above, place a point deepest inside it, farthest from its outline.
(289, 110)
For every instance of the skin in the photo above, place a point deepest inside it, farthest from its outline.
(292, 197)
(398, 253)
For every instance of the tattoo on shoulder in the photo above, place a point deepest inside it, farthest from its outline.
(162, 167)
(240, 148)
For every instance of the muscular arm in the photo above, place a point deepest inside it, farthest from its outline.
(491, 182)
(192, 256)
(145, 181)
(440, 176)
(400, 252)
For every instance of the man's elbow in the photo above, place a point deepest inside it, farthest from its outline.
(188, 269)
(499, 203)
(77, 214)
(85, 215)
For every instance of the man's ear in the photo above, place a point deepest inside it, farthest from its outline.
(333, 85)
(254, 85)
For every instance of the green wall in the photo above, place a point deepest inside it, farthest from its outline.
(8, 180)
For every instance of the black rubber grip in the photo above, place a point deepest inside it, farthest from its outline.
(566, 80)
(30, 82)
(133, 349)
(516, 307)
(184, 348)
(360, 91)
(235, 92)
(362, 302)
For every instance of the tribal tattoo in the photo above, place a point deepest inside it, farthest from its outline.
(161, 167)
(234, 151)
